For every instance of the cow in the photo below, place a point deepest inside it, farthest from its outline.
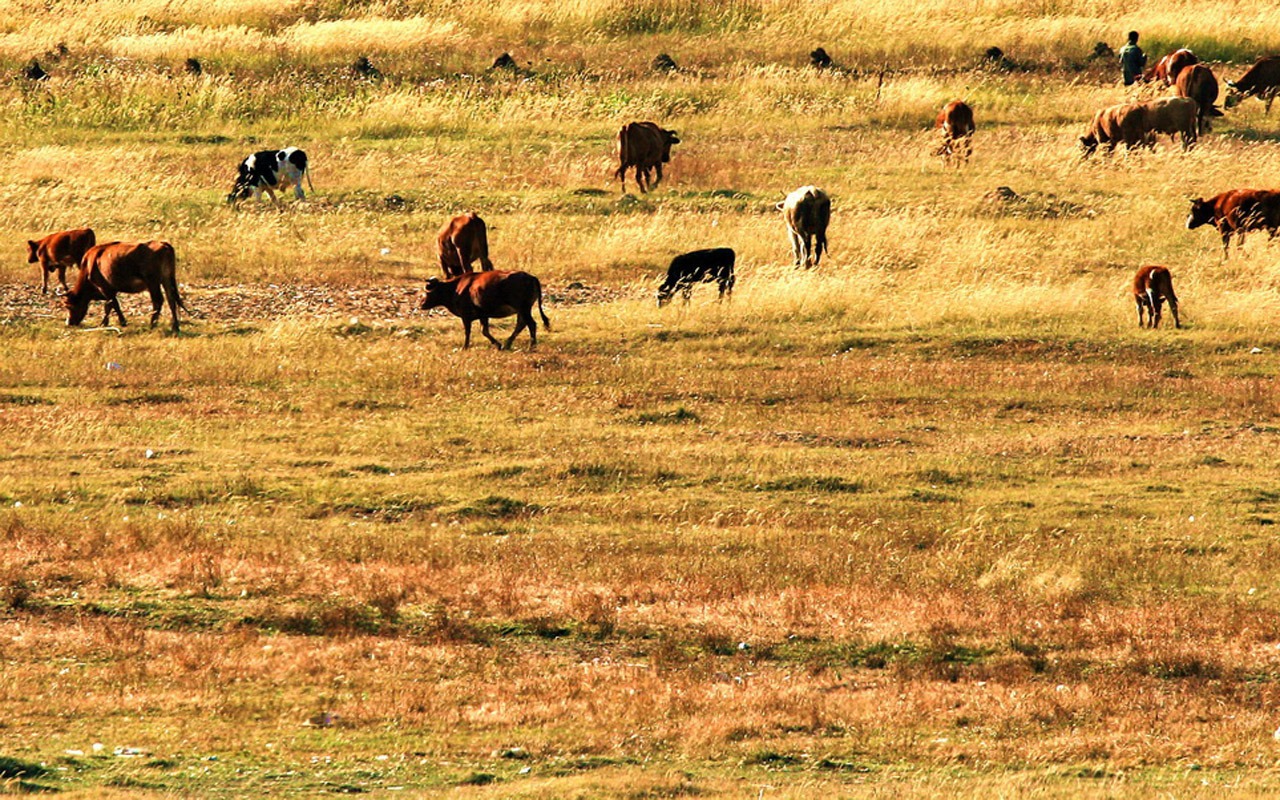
(485, 295)
(700, 266)
(1262, 80)
(807, 212)
(1151, 287)
(646, 147)
(1168, 69)
(1172, 115)
(268, 170)
(108, 270)
(1125, 123)
(956, 124)
(461, 241)
(1198, 83)
(57, 251)
(1237, 211)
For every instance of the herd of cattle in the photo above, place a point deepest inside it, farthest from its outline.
(107, 270)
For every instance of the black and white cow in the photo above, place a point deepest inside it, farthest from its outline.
(271, 169)
(700, 266)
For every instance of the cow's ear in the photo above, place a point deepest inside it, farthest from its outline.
(433, 281)
(780, 205)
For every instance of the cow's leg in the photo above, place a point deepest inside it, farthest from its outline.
(44, 280)
(686, 291)
(808, 250)
(1173, 308)
(484, 328)
(657, 169)
(62, 277)
(464, 258)
(297, 191)
(1156, 301)
(1267, 98)
(466, 326)
(795, 246)
(157, 303)
(523, 319)
(642, 179)
(1137, 300)
(275, 201)
(1226, 244)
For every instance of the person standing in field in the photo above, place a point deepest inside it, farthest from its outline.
(1132, 60)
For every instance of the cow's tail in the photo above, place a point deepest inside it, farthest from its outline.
(621, 172)
(310, 185)
(482, 244)
(545, 322)
(169, 277)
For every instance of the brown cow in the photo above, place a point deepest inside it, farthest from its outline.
(486, 295)
(1237, 211)
(462, 240)
(1125, 123)
(108, 270)
(1151, 287)
(1168, 69)
(1262, 80)
(57, 251)
(956, 124)
(1175, 116)
(1198, 83)
(644, 146)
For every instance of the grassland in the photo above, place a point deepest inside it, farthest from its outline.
(934, 519)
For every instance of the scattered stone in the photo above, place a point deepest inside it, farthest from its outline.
(364, 68)
(819, 59)
(517, 753)
(664, 63)
(394, 202)
(993, 54)
(505, 61)
(192, 66)
(1004, 194)
(33, 72)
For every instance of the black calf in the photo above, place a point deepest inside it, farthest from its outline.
(700, 266)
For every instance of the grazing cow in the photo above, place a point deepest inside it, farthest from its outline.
(486, 295)
(1262, 80)
(57, 251)
(1198, 83)
(462, 240)
(1174, 116)
(644, 146)
(700, 266)
(269, 170)
(807, 212)
(1151, 287)
(1125, 123)
(956, 124)
(125, 268)
(1237, 211)
(1167, 69)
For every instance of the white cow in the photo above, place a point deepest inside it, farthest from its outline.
(807, 211)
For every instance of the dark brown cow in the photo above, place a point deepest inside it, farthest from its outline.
(646, 147)
(487, 295)
(1237, 211)
(1262, 80)
(1125, 123)
(108, 270)
(956, 124)
(1151, 287)
(462, 240)
(57, 251)
(1168, 69)
(1198, 83)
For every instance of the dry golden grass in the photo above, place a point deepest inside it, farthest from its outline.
(935, 519)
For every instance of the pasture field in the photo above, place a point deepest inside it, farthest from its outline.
(935, 519)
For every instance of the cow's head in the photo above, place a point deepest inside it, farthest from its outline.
(438, 294)
(1234, 95)
(77, 305)
(1201, 213)
(242, 189)
(32, 249)
(1089, 143)
(668, 138)
(665, 293)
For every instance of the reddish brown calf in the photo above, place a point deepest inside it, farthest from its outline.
(955, 121)
(461, 241)
(57, 251)
(1151, 287)
(118, 268)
